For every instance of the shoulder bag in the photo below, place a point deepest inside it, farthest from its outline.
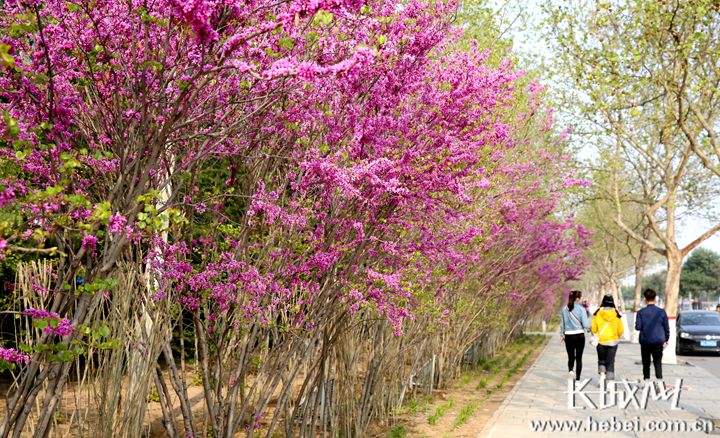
(595, 339)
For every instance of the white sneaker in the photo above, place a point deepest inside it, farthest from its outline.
(571, 375)
(601, 380)
(659, 385)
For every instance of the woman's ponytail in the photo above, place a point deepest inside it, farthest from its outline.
(572, 297)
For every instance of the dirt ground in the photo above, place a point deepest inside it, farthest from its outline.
(462, 410)
(75, 401)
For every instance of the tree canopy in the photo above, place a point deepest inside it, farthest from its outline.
(701, 272)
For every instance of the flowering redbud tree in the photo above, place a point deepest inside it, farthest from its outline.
(280, 173)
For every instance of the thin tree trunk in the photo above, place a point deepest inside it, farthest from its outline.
(164, 396)
(180, 390)
(640, 263)
(617, 294)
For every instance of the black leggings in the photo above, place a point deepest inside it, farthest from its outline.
(575, 344)
(656, 352)
(606, 359)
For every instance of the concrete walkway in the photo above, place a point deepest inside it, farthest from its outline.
(542, 396)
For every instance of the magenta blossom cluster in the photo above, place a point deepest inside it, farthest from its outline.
(389, 158)
(62, 326)
(13, 356)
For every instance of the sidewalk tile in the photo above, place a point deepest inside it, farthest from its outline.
(542, 395)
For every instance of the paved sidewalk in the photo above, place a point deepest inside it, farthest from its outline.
(542, 395)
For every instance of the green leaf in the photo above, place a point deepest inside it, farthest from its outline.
(12, 126)
(40, 323)
(102, 211)
(101, 332)
(114, 343)
(5, 56)
(5, 365)
(54, 190)
(324, 17)
(286, 43)
(154, 65)
(66, 356)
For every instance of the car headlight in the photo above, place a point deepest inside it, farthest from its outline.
(685, 335)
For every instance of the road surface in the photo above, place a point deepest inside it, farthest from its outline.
(710, 363)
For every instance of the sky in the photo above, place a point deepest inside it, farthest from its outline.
(520, 20)
(695, 227)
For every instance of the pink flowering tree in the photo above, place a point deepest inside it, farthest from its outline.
(281, 173)
(108, 106)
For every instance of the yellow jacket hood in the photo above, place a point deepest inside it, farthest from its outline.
(607, 315)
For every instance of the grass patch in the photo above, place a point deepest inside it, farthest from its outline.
(522, 360)
(412, 406)
(482, 384)
(465, 413)
(502, 382)
(398, 431)
(495, 371)
(440, 411)
(425, 405)
(416, 405)
(509, 361)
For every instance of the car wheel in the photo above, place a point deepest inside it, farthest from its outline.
(678, 350)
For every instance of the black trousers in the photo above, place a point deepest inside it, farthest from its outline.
(654, 351)
(606, 359)
(575, 345)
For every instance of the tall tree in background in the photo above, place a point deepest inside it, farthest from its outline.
(647, 76)
(656, 281)
(614, 252)
(701, 272)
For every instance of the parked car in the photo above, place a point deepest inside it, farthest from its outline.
(698, 330)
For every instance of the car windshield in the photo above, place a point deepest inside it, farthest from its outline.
(701, 319)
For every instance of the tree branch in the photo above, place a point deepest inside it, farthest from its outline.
(703, 237)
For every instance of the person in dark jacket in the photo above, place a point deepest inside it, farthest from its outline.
(652, 323)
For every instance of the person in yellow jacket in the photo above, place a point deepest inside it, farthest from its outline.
(608, 327)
